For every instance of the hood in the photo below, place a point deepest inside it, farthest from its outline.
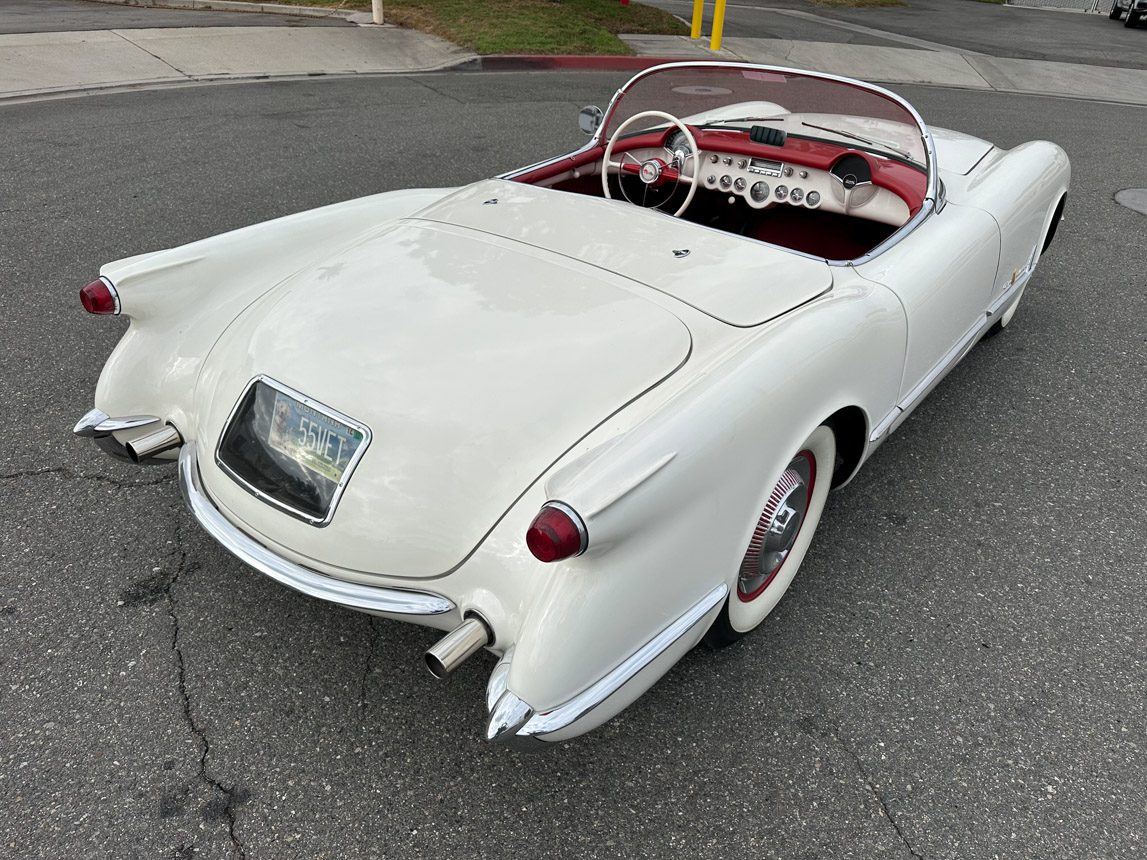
(475, 363)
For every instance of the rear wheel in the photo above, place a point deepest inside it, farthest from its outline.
(780, 539)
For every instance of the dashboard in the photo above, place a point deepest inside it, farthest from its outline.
(807, 173)
(846, 187)
(803, 172)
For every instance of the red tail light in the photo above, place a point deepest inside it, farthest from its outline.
(100, 297)
(557, 532)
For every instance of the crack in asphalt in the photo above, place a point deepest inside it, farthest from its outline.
(863, 771)
(368, 668)
(231, 796)
(68, 473)
(439, 92)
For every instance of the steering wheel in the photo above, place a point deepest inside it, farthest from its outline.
(653, 172)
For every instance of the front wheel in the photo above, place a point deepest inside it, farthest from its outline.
(1132, 18)
(1116, 13)
(780, 539)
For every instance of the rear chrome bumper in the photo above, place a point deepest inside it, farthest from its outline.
(512, 721)
(394, 601)
(101, 429)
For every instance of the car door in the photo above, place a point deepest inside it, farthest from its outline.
(942, 273)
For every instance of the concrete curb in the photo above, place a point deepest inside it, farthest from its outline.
(354, 16)
(50, 65)
(537, 62)
(463, 65)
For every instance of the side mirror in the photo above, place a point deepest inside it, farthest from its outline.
(589, 118)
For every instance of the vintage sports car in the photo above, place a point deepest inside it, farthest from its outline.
(585, 414)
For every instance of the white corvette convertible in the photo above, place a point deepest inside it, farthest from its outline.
(584, 414)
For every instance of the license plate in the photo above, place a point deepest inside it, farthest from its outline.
(291, 451)
(311, 438)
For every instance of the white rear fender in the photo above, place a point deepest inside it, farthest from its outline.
(656, 484)
(180, 300)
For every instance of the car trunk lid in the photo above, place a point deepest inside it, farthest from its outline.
(734, 279)
(475, 363)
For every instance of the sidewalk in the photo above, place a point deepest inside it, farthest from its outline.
(40, 64)
(912, 66)
(37, 64)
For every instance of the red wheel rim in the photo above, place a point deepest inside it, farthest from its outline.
(778, 528)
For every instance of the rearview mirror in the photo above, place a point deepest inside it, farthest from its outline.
(589, 119)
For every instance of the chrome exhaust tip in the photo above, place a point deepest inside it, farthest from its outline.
(453, 649)
(151, 444)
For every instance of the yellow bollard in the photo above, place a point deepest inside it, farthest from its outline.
(718, 25)
(698, 14)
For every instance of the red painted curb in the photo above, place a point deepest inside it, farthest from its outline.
(528, 62)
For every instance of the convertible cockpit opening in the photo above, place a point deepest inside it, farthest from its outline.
(811, 163)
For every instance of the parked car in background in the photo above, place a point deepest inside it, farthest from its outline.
(1134, 10)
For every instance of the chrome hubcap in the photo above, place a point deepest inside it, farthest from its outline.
(778, 527)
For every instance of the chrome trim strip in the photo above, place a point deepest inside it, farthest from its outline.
(930, 194)
(590, 144)
(318, 522)
(97, 423)
(895, 239)
(932, 378)
(398, 601)
(950, 359)
(580, 705)
(887, 422)
(998, 306)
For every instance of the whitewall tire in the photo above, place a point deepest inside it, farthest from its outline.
(780, 539)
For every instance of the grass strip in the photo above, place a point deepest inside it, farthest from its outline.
(522, 26)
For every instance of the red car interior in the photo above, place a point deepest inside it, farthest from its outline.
(811, 231)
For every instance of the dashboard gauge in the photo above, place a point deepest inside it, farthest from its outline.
(740, 184)
(759, 192)
(710, 179)
(713, 158)
(782, 192)
(726, 181)
(679, 143)
(796, 195)
(812, 199)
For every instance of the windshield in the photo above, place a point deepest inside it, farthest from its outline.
(800, 105)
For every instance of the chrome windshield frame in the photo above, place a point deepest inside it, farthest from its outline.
(931, 194)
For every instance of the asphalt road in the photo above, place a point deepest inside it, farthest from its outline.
(50, 16)
(958, 671)
(963, 25)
